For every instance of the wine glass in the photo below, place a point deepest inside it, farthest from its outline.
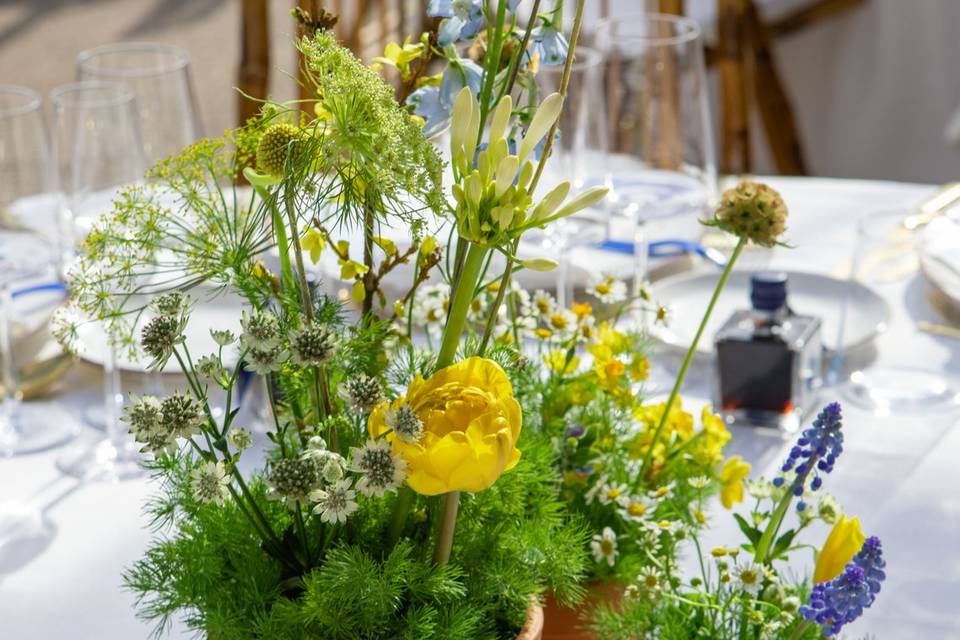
(578, 155)
(25, 257)
(885, 260)
(97, 146)
(159, 76)
(661, 158)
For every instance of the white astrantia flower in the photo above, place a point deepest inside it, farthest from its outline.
(604, 546)
(760, 488)
(361, 392)
(261, 330)
(65, 328)
(405, 422)
(312, 345)
(335, 504)
(608, 289)
(209, 367)
(382, 470)
(264, 361)
(210, 482)
(241, 439)
(749, 576)
(223, 337)
(292, 480)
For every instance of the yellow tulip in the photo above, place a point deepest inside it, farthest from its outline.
(735, 469)
(841, 545)
(471, 423)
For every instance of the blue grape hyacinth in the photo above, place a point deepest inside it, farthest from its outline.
(816, 452)
(842, 600)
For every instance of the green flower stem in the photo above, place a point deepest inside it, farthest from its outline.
(495, 311)
(286, 268)
(491, 62)
(515, 61)
(689, 358)
(368, 222)
(448, 522)
(401, 508)
(801, 629)
(302, 530)
(460, 304)
(773, 527)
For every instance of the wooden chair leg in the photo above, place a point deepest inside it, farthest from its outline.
(671, 6)
(735, 156)
(770, 96)
(253, 77)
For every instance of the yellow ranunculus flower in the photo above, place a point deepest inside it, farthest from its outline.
(841, 545)
(735, 469)
(471, 423)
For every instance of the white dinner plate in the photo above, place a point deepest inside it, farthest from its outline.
(686, 296)
(940, 257)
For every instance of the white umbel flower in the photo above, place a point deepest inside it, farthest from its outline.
(335, 503)
(382, 470)
(604, 546)
(210, 482)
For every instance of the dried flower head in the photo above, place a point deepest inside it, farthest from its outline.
(752, 211)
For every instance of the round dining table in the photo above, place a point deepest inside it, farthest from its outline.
(898, 473)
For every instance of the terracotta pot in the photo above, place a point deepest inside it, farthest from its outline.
(563, 623)
(533, 629)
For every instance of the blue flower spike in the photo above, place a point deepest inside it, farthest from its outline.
(816, 452)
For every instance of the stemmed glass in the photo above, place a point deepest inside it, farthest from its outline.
(661, 154)
(886, 259)
(159, 77)
(25, 174)
(97, 146)
(579, 155)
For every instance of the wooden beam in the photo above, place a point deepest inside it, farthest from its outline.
(731, 56)
(253, 76)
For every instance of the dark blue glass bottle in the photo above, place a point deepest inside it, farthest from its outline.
(768, 359)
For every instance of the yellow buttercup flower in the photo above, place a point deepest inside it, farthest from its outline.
(471, 423)
(841, 545)
(735, 469)
(708, 449)
(610, 342)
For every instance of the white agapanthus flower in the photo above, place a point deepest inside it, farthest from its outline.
(210, 482)
(382, 470)
(604, 546)
(335, 504)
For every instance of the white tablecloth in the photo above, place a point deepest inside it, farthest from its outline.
(898, 474)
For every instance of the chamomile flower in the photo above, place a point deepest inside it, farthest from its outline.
(749, 576)
(210, 482)
(608, 289)
(637, 509)
(604, 546)
(543, 304)
(650, 579)
(382, 470)
(335, 504)
(563, 323)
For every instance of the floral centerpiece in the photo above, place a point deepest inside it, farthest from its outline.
(434, 483)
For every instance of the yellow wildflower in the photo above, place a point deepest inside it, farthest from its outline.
(841, 545)
(471, 423)
(581, 310)
(639, 368)
(735, 469)
(314, 242)
(708, 449)
(556, 360)
(543, 333)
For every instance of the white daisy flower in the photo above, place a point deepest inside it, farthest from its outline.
(637, 509)
(563, 324)
(650, 579)
(604, 546)
(335, 503)
(543, 304)
(210, 482)
(382, 470)
(749, 576)
(608, 289)
(613, 494)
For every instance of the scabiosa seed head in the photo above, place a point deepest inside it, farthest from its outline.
(752, 211)
(405, 422)
(273, 147)
(292, 479)
(361, 392)
(312, 345)
(382, 470)
(160, 336)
